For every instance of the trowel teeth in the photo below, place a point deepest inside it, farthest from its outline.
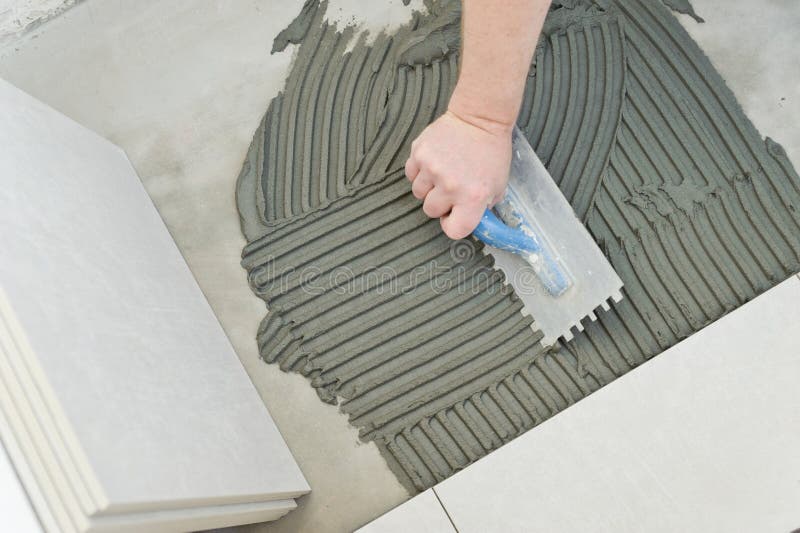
(551, 337)
(533, 197)
(485, 251)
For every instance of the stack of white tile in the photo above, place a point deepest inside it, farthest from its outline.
(122, 403)
(18, 515)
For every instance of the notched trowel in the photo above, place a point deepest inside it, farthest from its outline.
(546, 253)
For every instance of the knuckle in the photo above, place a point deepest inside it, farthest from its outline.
(448, 183)
(432, 167)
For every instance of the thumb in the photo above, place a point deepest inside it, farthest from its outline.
(462, 220)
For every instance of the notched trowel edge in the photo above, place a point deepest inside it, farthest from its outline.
(595, 283)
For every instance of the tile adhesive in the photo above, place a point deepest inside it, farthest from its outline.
(417, 337)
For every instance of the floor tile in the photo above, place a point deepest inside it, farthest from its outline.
(702, 438)
(423, 514)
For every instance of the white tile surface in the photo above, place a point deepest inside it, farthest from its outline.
(128, 346)
(192, 519)
(47, 519)
(17, 515)
(422, 514)
(181, 86)
(705, 437)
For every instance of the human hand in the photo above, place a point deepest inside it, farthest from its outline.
(459, 167)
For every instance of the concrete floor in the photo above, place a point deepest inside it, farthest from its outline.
(181, 87)
(753, 45)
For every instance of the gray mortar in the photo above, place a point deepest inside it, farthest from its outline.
(697, 213)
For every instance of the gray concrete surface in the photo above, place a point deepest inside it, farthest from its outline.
(753, 45)
(181, 85)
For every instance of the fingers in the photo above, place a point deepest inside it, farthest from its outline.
(462, 220)
(421, 186)
(412, 168)
(436, 204)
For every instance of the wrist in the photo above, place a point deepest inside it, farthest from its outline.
(481, 112)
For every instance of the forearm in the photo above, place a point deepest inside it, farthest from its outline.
(459, 164)
(498, 40)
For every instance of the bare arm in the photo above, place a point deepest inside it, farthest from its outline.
(459, 164)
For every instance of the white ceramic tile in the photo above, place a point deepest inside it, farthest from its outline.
(17, 514)
(57, 476)
(192, 519)
(421, 514)
(181, 86)
(128, 346)
(47, 518)
(702, 438)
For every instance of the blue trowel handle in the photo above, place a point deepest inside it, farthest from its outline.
(492, 231)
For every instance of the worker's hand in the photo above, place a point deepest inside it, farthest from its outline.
(459, 167)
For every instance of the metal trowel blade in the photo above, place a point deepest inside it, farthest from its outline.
(594, 282)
